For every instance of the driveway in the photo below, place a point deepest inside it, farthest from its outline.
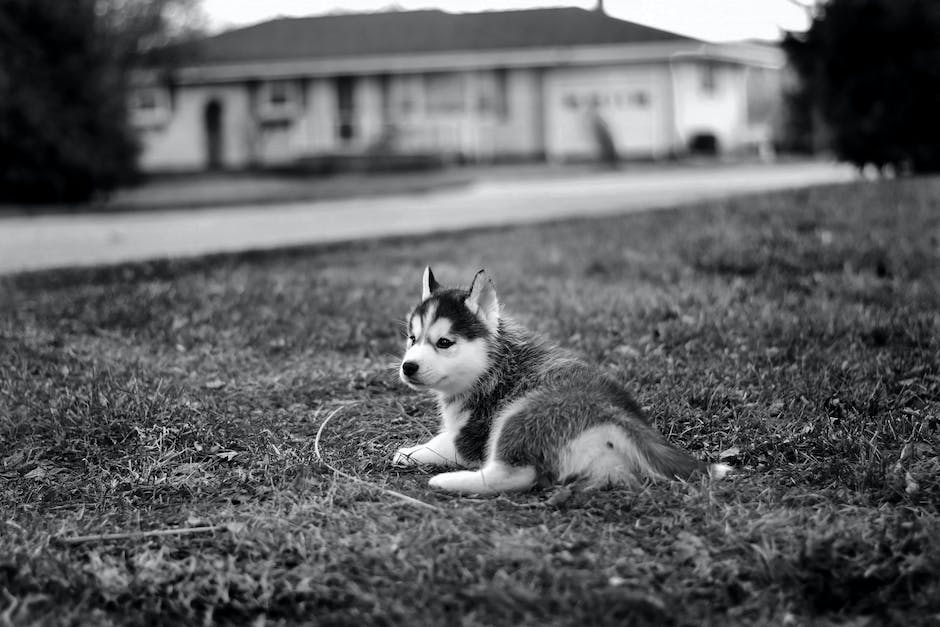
(33, 243)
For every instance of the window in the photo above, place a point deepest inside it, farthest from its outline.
(492, 96)
(502, 92)
(640, 99)
(277, 94)
(276, 124)
(606, 99)
(445, 92)
(149, 106)
(406, 93)
(279, 100)
(385, 94)
(709, 78)
(147, 100)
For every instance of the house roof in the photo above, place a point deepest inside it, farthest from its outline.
(427, 31)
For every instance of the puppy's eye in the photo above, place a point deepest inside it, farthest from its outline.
(444, 343)
(411, 339)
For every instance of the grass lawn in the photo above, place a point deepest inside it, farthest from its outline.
(796, 334)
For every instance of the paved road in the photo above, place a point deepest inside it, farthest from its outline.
(31, 243)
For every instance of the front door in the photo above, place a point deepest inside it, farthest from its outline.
(213, 129)
(346, 109)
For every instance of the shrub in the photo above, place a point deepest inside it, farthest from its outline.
(64, 68)
(870, 72)
(63, 129)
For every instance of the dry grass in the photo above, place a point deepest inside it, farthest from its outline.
(797, 333)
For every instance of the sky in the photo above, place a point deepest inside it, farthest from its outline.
(711, 20)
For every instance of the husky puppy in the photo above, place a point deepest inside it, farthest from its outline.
(520, 411)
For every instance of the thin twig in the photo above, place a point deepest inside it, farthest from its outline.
(398, 495)
(179, 531)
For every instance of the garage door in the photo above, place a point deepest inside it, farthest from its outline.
(628, 107)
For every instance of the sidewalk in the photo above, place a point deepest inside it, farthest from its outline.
(50, 241)
(193, 191)
(232, 189)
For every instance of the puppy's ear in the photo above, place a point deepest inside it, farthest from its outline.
(428, 284)
(481, 299)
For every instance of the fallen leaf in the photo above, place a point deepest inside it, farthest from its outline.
(195, 521)
(561, 496)
(628, 351)
(734, 451)
(235, 527)
(215, 384)
(36, 473)
(188, 468)
(15, 459)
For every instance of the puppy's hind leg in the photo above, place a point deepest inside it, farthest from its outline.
(493, 478)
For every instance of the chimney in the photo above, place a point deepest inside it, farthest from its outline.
(600, 7)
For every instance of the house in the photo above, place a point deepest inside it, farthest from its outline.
(527, 84)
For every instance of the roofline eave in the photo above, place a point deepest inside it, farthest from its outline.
(558, 56)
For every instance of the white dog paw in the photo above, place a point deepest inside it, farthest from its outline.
(404, 457)
(444, 481)
(463, 481)
(494, 477)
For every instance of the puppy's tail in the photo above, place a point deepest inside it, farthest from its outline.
(672, 462)
(663, 459)
(718, 471)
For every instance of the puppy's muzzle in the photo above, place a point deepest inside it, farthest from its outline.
(410, 368)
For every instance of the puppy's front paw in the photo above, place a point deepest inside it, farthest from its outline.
(404, 457)
(445, 481)
(439, 451)
(466, 481)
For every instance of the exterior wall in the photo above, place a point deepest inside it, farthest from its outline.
(721, 111)
(652, 108)
(444, 121)
(273, 128)
(405, 109)
(521, 133)
(318, 122)
(634, 102)
(489, 116)
(180, 143)
(370, 121)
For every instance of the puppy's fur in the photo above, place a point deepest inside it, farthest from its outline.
(520, 411)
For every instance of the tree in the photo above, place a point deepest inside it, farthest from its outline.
(870, 71)
(64, 67)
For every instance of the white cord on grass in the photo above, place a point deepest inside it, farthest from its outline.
(397, 495)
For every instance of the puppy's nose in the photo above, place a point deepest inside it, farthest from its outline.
(409, 368)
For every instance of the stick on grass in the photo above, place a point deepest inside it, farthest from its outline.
(398, 495)
(179, 531)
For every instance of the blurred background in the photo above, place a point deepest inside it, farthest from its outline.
(99, 95)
